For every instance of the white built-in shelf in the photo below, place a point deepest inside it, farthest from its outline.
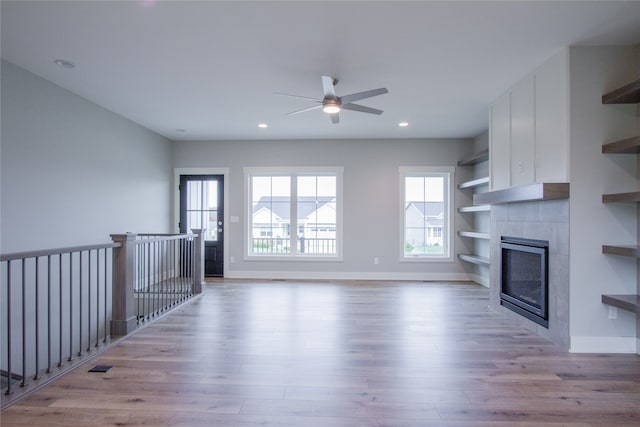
(474, 259)
(478, 182)
(476, 185)
(475, 208)
(474, 235)
(475, 159)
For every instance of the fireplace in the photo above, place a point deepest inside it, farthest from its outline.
(524, 285)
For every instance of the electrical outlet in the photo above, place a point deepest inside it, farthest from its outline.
(613, 312)
(232, 259)
(376, 261)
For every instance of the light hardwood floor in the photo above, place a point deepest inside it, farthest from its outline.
(268, 353)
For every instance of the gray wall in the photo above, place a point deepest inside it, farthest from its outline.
(74, 172)
(371, 200)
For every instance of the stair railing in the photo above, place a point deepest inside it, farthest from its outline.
(60, 306)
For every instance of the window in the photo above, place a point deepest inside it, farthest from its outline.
(426, 218)
(304, 199)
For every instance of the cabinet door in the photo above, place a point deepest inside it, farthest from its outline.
(551, 121)
(499, 142)
(522, 132)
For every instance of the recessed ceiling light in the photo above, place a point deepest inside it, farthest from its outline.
(263, 125)
(403, 124)
(181, 130)
(64, 63)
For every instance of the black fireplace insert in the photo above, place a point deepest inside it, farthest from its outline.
(525, 278)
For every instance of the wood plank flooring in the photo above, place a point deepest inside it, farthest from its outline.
(268, 353)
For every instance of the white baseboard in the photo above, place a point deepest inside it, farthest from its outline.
(604, 345)
(336, 275)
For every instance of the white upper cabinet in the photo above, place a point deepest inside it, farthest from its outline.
(500, 143)
(528, 128)
(552, 106)
(522, 132)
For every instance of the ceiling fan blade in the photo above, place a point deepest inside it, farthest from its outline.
(335, 118)
(298, 96)
(315, 107)
(361, 108)
(362, 95)
(327, 86)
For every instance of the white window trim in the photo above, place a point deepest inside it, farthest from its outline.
(449, 225)
(249, 171)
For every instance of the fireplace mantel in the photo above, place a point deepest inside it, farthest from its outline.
(526, 193)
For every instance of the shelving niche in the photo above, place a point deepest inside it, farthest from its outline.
(475, 185)
(628, 94)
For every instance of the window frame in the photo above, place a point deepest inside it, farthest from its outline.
(293, 173)
(448, 172)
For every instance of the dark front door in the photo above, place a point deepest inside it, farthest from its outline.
(202, 206)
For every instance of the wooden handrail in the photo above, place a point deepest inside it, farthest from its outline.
(55, 251)
(162, 237)
(161, 234)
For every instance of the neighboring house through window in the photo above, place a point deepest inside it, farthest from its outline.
(426, 218)
(304, 199)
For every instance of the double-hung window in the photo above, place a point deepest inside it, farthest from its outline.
(426, 213)
(294, 213)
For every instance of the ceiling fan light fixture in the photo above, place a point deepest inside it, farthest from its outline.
(331, 109)
(331, 105)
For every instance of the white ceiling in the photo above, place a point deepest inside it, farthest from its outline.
(211, 67)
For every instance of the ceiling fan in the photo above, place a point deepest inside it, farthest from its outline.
(332, 104)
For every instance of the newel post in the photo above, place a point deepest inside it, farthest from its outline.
(198, 259)
(123, 320)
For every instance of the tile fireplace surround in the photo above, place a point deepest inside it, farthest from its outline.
(540, 220)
